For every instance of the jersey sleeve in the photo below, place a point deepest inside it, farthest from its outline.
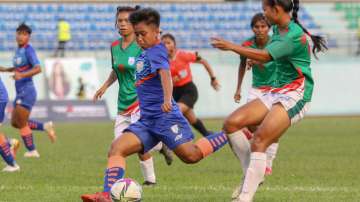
(158, 58)
(31, 56)
(189, 57)
(280, 48)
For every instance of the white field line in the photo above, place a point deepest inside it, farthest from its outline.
(175, 189)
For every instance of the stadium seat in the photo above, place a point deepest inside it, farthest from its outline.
(92, 24)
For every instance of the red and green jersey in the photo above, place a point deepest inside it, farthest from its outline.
(262, 76)
(292, 57)
(123, 64)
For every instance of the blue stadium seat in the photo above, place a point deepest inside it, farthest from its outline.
(93, 24)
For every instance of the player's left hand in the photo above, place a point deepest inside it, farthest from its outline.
(215, 84)
(17, 76)
(221, 43)
(250, 63)
(166, 107)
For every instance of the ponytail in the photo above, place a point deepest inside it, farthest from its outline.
(318, 41)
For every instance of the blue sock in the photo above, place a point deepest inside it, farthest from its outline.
(217, 140)
(111, 176)
(6, 154)
(29, 142)
(35, 125)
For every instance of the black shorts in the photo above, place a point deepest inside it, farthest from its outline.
(186, 94)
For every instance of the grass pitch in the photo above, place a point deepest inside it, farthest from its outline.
(318, 161)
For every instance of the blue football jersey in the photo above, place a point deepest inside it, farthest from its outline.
(148, 82)
(24, 60)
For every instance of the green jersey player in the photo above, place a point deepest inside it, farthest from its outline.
(291, 92)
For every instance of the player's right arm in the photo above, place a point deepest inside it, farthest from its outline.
(111, 79)
(167, 86)
(241, 74)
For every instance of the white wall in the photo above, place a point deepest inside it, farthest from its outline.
(337, 85)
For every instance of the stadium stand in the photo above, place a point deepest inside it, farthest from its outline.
(93, 24)
(351, 12)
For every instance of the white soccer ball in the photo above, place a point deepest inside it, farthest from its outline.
(126, 190)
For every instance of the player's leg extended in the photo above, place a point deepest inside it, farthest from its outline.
(193, 152)
(47, 126)
(235, 125)
(273, 126)
(125, 145)
(173, 130)
(19, 120)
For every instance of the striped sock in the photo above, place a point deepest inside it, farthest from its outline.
(5, 151)
(27, 137)
(115, 171)
(35, 125)
(212, 143)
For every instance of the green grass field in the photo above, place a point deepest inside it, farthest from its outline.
(318, 161)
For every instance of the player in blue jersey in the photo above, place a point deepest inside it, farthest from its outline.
(161, 119)
(8, 147)
(26, 65)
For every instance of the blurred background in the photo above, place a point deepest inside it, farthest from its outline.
(86, 61)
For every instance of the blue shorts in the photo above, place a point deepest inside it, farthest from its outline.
(2, 111)
(171, 128)
(25, 97)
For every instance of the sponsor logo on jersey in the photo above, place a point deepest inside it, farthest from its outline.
(131, 61)
(178, 137)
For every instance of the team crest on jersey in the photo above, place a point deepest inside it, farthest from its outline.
(175, 129)
(131, 60)
(183, 73)
(18, 60)
(139, 66)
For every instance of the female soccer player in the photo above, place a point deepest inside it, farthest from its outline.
(290, 95)
(262, 79)
(26, 65)
(8, 147)
(161, 120)
(185, 92)
(124, 51)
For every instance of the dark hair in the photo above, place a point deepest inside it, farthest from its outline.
(147, 15)
(294, 6)
(24, 28)
(259, 17)
(121, 9)
(169, 36)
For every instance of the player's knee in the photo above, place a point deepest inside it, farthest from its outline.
(144, 157)
(116, 150)
(232, 124)
(190, 158)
